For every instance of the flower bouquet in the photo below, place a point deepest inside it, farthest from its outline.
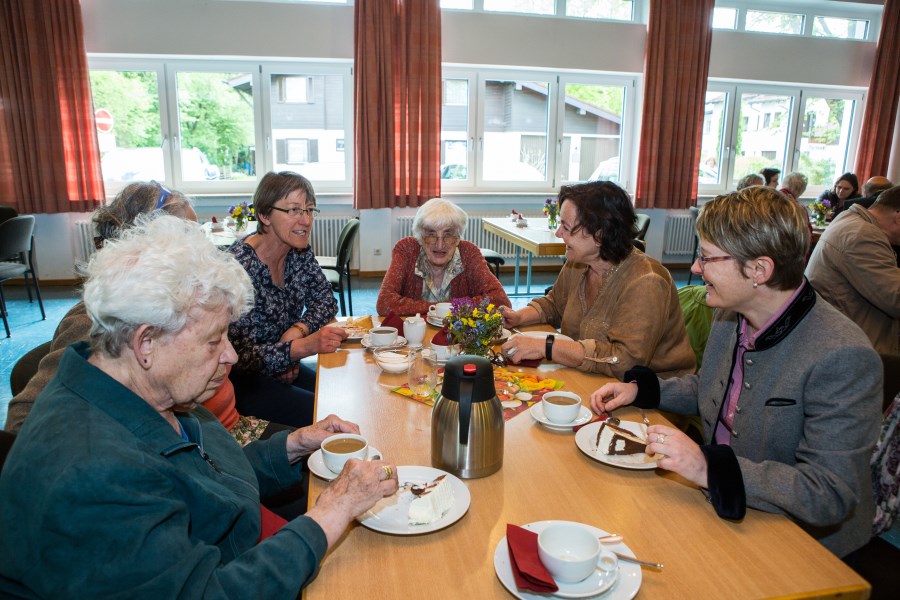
(474, 326)
(551, 209)
(821, 210)
(242, 214)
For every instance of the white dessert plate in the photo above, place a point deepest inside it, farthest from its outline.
(401, 341)
(317, 466)
(586, 440)
(622, 584)
(391, 515)
(354, 334)
(504, 335)
(543, 335)
(537, 413)
(436, 321)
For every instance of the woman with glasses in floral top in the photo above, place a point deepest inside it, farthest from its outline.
(293, 304)
(436, 266)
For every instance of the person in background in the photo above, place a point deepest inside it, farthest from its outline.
(610, 298)
(435, 265)
(845, 188)
(794, 185)
(751, 179)
(121, 480)
(294, 303)
(788, 396)
(770, 175)
(854, 268)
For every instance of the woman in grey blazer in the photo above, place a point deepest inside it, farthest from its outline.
(789, 391)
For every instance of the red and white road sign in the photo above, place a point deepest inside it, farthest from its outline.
(104, 120)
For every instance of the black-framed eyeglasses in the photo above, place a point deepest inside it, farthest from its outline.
(708, 259)
(296, 212)
(164, 194)
(432, 238)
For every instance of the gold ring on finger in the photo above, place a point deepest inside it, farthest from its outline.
(389, 472)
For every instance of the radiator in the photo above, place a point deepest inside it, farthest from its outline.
(679, 236)
(326, 232)
(84, 240)
(474, 233)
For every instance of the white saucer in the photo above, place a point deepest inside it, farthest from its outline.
(317, 466)
(622, 584)
(543, 335)
(437, 322)
(401, 341)
(537, 413)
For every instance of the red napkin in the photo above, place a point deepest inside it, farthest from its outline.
(594, 420)
(528, 570)
(528, 362)
(442, 337)
(269, 523)
(392, 320)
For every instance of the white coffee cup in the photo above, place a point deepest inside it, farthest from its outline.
(561, 407)
(414, 330)
(439, 310)
(338, 449)
(382, 336)
(444, 353)
(571, 552)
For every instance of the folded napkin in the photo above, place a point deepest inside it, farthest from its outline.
(392, 320)
(442, 337)
(528, 570)
(269, 523)
(528, 362)
(594, 420)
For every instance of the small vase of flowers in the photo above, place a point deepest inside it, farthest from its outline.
(242, 214)
(551, 209)
(474, 326)
(821, 210)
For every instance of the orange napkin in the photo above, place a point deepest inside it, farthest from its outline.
(442, 337)
(528, 570)
(392, 320)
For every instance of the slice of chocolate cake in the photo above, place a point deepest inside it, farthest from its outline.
(619, 441)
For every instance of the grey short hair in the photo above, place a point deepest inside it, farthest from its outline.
(751, 179)
(796, 183)
(154, 273)
(436, 214)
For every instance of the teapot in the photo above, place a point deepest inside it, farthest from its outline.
(467, 420)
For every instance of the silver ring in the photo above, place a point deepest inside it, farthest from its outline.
(660, 438)
(512, 351)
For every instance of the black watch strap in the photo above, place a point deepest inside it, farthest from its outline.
(548, 347)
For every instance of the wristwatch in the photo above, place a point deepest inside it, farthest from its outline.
(548, 348)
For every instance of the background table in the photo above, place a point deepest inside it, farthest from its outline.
(536, 239)
(545, 476)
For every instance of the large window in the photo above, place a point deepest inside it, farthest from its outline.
(614, 10)
(840, 20)
(748, 128)
(532, 130)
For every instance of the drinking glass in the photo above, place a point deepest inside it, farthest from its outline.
(422, 372)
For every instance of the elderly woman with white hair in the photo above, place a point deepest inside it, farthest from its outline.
(793, 185)
(121, 480)
(435, 265)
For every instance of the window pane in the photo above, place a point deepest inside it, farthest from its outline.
(532, 7)
(824, 138)
(774, 22)
(712, 140)
(620, 10)
(724, 18)
(851, 29)
(216, 127)
(459, 4)
(592, 132)
(760, 145)
(515, 130)
(128, 126)
(455, 130)
(308, 134)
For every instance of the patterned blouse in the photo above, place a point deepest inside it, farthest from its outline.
(305, 298)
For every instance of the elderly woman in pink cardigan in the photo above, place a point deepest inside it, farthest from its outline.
(435, 265)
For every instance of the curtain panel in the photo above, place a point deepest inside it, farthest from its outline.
(49, 156)
(397, 102)
(877, 130)
(679, 37)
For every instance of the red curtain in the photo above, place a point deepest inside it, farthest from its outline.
(49, 156)
(881, 104)
(679, 37)
(397, 102)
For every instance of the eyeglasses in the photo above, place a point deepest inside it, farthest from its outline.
(708, 259)
(296, 212)
(433, 239)
(164, 194)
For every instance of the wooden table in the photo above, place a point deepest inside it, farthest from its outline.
(545, 476)
(536, 239)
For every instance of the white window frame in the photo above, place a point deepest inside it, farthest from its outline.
(810, 9)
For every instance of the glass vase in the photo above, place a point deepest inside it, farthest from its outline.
(552, 222)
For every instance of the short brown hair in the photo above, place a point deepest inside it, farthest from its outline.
(759, 221)
(606, 213)
(275, 186)
(136, 199)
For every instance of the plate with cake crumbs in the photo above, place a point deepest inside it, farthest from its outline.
(356, 327)
(428, 500)
(620, 445)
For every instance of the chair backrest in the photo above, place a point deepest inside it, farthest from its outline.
(26, 367)
(345, 243)
(15, 235)
(642, 222)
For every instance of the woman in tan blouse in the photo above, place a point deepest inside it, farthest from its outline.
(611, 299)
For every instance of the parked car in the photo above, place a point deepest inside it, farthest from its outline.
(146, 164)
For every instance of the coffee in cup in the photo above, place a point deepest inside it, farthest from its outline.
(571, 552)
(338, 449)
(382, 336)
(561, 407)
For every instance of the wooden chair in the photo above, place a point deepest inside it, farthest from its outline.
(337, 268)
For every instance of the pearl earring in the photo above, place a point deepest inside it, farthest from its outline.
(756, 285)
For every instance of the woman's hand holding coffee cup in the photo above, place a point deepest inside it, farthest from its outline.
(306, 440)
